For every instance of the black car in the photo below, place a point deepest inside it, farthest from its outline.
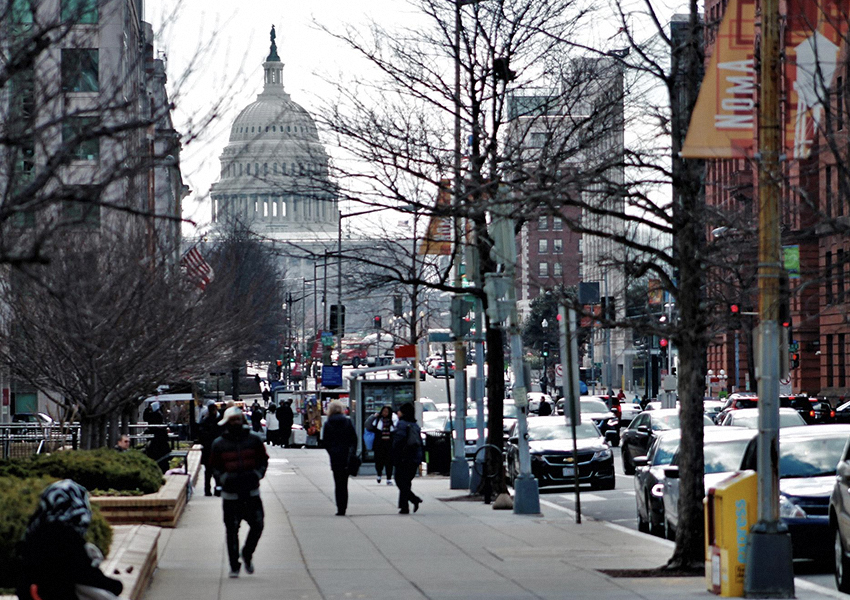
(642, 430)
(550, 445)
(839, 521)
(842, 413)
(606, 420)
(811, 409)
(649, 482)
(808, 457)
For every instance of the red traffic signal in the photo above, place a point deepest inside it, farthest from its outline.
(662, 343)
(377, 321)
(734, 309)
(279, 362)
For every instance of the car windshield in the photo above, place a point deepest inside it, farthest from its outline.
(810, 457)
(593, 406)
(509, 411)
(747, 403)
(666, 422)
(664, 451)
(434, 421)
(471, 422)
(554, 430)
(721, 457)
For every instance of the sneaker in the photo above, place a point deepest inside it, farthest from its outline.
(379, 480)
(234, 573)
(389, 481)
(249, 564)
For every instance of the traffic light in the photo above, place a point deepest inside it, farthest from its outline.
(545, 349)
(795, 360)
(734, 316)
(377, 321)
(663, 345)
(337, 323)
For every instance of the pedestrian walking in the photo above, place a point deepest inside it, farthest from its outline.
(286, 419)
(408, 453)
(208, 432)
(272, 426)
(240, 462)
(383, 423)
(56, 563)
(257, 417)
(340, 442)
(267, 395)
(545, 409)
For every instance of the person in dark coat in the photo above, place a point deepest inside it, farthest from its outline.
(340, 441)
(158, 447)
(382, 424)
(286, 419)
(54, 555)
(408, 453)
(257, 415)
(153, 414)
(545, 409)
(240, 461)
(208, 431)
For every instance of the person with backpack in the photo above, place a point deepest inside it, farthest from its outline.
(408, 453)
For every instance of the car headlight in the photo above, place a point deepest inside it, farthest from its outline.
(603, 454)
(789, 510)
(612, 422)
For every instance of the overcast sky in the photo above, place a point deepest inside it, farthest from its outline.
(222, 45)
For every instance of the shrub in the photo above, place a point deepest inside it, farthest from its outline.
(18, 500)
(100, 469)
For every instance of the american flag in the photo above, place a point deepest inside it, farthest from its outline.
(198, 271)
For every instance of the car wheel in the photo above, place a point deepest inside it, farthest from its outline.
(628, 465)
(842, 565)
(355, 362)
(643, 524)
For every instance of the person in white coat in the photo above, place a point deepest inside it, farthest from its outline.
(272, 426)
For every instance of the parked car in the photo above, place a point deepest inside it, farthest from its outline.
(444, 423)
(641, 433)
(428, 405)
(842, 413)
(628, 411)
(749, 418)
(597, 411)
(444, 369)
(736, 402)
(39, 418)
(649, 478)
(712, 407)
(509, 416)
(723, 451)
(839, 520)
(808, 457)
(811, 410)
(550, 445)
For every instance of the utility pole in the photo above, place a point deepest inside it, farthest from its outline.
(770, 569)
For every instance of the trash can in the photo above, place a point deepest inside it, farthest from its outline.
(438, 452)
(730, 511)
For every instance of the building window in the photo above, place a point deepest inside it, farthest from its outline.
(265, 168)
(83, 211)
(830, 362)
(842, 360)
(542, 246)
(80, 70)
(247, 168)
(283, 168)
(558, 246)
(79, 11)
(557, 223)
(557, 269)
(543, 269)
(828, 194)
(543, 222)
(839, 103)
(74, 130)
(839, 277)
(827, 272)
(274, 168)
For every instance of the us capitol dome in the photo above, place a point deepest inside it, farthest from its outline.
(274, 170)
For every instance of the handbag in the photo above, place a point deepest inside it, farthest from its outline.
(354, 463)
(369, 439)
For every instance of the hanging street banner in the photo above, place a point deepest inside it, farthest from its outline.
(723, 124)
(440, 236)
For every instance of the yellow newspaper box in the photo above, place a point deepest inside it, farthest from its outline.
(730, 510)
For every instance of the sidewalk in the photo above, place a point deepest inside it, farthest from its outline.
(448, 550)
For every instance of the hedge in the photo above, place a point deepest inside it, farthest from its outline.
(101, 469)
(18, 501)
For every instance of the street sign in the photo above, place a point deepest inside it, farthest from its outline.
(332, 376)
(327, 338)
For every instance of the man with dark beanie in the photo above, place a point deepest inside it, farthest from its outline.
(408, 453)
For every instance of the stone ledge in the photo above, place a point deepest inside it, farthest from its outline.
(162, 508)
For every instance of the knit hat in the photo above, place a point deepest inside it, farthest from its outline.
(407, 412)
